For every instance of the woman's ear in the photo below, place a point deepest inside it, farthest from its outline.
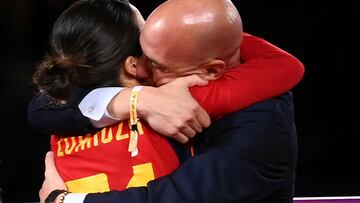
(130, 65)
(214, 69)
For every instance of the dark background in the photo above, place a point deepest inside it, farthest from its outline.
(321, 34)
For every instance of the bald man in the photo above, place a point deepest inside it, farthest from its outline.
(181, 44)
(254, 160)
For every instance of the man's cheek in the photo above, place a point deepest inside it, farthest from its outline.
(147, 82)
(142, 73)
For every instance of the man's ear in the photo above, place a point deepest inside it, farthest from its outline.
(130, 65)
(214, 69)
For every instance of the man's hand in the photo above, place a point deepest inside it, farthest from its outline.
(172, 111)
(52, 180)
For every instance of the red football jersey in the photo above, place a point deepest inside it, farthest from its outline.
(101, 162)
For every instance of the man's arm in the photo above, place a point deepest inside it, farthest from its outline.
(169, 109)
(248, 156)
(48, 117)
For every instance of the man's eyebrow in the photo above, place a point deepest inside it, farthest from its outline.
(157, 63)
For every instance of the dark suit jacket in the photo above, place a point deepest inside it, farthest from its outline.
(246, 157)
(64, 120)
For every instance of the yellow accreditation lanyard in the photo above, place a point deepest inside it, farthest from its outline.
(134, 133)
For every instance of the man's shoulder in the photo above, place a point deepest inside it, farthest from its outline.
(278, 111)
(278, 106)
(281, 102)
(271, 118)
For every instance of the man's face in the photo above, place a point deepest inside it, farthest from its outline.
(164, 73)
(143, 71)
(163, 60)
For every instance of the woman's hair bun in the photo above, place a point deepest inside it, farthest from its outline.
(54, 76)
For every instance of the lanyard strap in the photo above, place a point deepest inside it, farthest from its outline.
(134, 133)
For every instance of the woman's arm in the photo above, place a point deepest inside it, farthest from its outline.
(267, 71)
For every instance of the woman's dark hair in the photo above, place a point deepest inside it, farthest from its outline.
(89, 41)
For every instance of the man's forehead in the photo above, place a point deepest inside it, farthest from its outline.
(170, 56)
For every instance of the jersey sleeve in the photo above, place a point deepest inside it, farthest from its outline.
(267, 71)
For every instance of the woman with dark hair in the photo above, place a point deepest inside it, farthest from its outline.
(91, 42)
(96, 44)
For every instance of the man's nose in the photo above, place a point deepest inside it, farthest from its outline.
(161, 78)
(157, 74)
